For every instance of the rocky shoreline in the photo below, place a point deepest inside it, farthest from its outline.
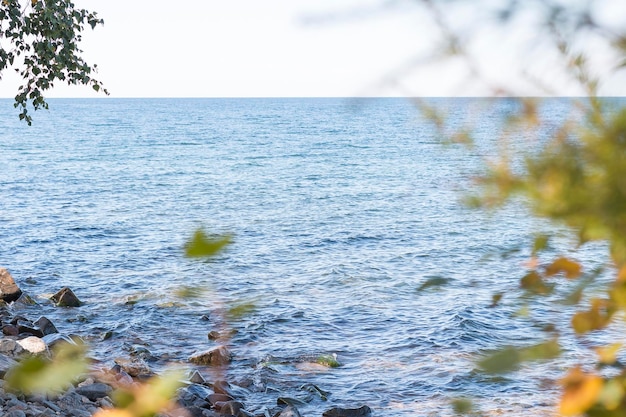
(92, 392)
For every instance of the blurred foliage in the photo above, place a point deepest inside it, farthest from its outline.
(146, 399)
(40, 38)
(202, 245)
(574, 174)
(40, 374)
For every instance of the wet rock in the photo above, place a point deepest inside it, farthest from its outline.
(196, 378)
(10, 330)
(10, 347)
(214, 335)
(66, 298)
(194, 395)
(135, 367)
(46, 326)
(25, 300)
(289, 401)
(219, 398)
(348, 412)
(9, 291)
(95, 391)
(223, 387)
(229, 407)
(33, 344)
(6, 363)
(26, 328)
(290, 411)
(220, 355)
(54, 339)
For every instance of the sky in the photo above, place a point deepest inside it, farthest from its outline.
(298, 48)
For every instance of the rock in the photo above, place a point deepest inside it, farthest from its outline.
(10, 347)
(15, 413)
(196, 378)
(219, 398)
(194, 395)
(135, 367)
(54, 339)
(9, 291)
(25, 328)
(33, 344)
(229, 407)
(348, 412)
(10, 330)
(46, 326)
(223, 387)
(26, 300)
(6, 363)
(215, 357)
(290, 411)
(66, 298)
(95, 391)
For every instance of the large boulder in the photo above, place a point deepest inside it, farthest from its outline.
(9, 291)
(66, 298)
(215, 357)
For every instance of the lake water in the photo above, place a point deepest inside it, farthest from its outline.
(340, 211)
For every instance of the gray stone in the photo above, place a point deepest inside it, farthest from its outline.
(348, 412)
(219, 398)
(220, 355)
(33, 344)
(46, 326)
(10, 347)
(95, 391)
(229, 407)
(9, 291)
(65, 297)
(54, 339)
(6, 363)
(196, 378)
(290, 411)
(15, 413)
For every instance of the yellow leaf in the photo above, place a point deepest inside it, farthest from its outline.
(580, 392)
(113, 413)
(608, 354)
(570, 268)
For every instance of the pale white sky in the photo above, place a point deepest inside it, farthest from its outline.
(276, 48)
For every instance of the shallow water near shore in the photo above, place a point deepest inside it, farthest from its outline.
(341, 210)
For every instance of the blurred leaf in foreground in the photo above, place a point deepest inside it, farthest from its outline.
(146, 400)
(510, 358)
(201, 245)
(38, 374)
(580, 392)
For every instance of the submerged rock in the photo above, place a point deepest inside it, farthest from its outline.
(66, 298)
(220, 355)
(9, 291)
(348, 412)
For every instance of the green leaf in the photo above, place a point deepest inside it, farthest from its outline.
(38, 374)
(510, 358)
(201, 246)
(434, 282)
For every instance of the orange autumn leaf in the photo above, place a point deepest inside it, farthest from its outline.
(580, 392)
(566, 266)
(113, 413)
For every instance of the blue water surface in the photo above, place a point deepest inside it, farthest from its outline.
(341, 210)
